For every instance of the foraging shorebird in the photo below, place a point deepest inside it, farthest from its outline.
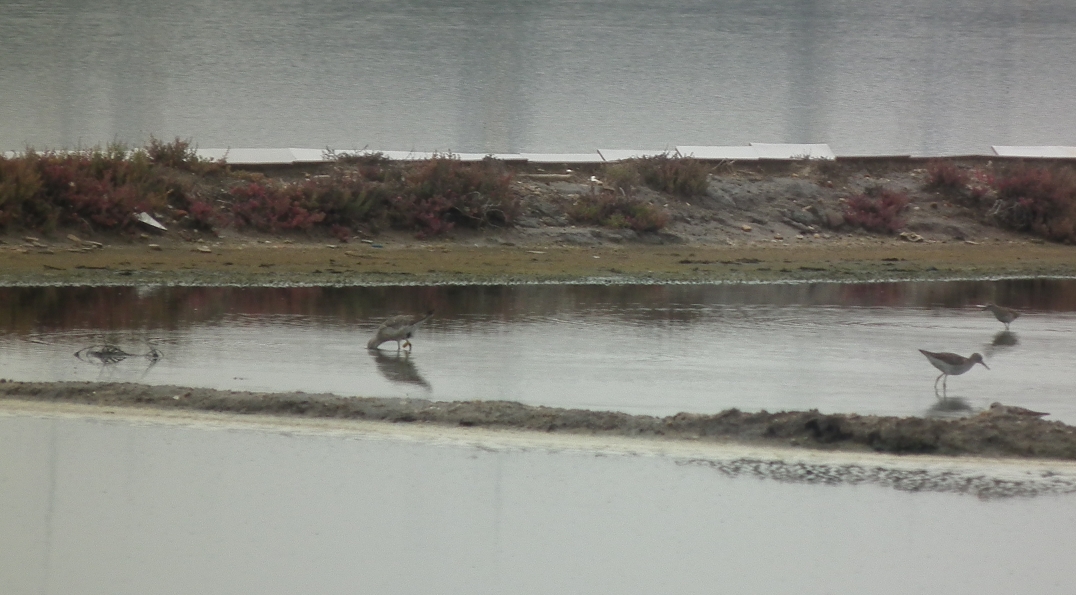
(398, 328)
(1004, 315)
(951, 364)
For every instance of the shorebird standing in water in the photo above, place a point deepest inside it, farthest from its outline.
(397, 328)
(951, 364)
(1004, 315)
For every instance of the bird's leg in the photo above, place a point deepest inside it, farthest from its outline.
(407, 344)
(397, 344)
(936, 382)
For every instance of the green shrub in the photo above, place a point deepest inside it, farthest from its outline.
(20, 186)
(441, 193)
(178, 154)
(618, 212)
(682, 176)
(621, 176)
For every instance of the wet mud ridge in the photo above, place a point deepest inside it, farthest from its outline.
(999, 432)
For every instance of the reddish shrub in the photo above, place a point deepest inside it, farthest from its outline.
(980, 186)
(443, 192)
(203, 215)
(102, 189)
(271, 208)
(945, 176)
(876, 210)
(1038, 200)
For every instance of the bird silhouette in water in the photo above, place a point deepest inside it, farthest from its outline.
(1004, 315)
(398, 328)
(951, 364)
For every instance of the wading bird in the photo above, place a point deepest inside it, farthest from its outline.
(398, 328)
(1004, 315)
(951, 364)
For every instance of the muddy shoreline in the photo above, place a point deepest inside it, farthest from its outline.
(991, 433)
(253, 262)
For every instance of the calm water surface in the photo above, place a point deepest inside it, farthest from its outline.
(868, 77)
(115, 508)
(641, 349)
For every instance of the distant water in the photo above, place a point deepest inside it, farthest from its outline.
(868, 77)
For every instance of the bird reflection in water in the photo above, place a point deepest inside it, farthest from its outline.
(1004, 339)
(108, 355)
(398, 367)
(949, 407)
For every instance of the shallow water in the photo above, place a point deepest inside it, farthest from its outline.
(116, 507)
(868, 77)
(659, 350)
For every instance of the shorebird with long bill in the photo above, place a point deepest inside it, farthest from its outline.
(951, 364)
(1004, 315)
(398, 328)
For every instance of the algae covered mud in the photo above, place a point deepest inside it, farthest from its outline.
(255, 261)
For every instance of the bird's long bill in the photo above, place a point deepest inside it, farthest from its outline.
(984, 364)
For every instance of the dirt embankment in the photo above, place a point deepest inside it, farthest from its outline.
(757, 222)
(997, 432)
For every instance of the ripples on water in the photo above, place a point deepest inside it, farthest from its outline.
(868, 77)
(652, 350)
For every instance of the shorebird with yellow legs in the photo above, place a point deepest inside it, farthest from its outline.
(398, 328)
(1004, 315)
(951, 364)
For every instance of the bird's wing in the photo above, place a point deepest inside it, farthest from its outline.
(398, 321)
(950, 358)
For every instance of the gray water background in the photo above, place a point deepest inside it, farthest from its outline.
(115, 507)
(867, 77)
(643, 349)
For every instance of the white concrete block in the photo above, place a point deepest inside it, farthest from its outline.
(307, 155)
(244, 156)
(1056, 152)
(622, 154)
(793, 151)
(715, 153)
(562, 157)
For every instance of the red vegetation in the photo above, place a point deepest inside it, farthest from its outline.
(945, 176)
(876, 210)
(1039, 200)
